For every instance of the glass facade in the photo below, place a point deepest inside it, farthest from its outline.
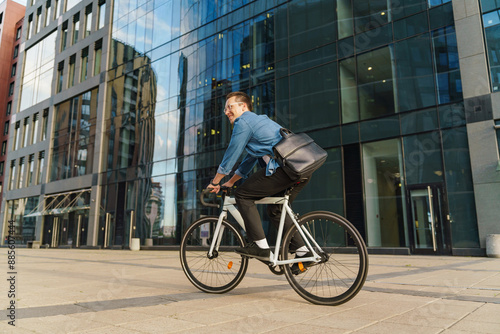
(376, 83)
(74, 136)
(38, 70)
(491, 23)
(24, 227)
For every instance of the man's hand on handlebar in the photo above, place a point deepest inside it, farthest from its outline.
(215, 189)
(218, 187)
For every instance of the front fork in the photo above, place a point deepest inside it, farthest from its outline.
(219, 230)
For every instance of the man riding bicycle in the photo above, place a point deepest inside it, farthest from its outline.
(257, 134)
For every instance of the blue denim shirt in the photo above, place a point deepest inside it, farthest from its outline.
(257, 134)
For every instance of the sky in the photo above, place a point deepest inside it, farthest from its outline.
(22, 2)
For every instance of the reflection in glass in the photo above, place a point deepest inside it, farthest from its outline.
(74, 136)
(370, 14)
(423, 163)
(414, 68)
(385, 194)
(314, 90)
(23, 227)
(376, 86)
(460, 190)
(345, 24)
(449, 82)
(38, 71)
(311, 24)
(348, 90)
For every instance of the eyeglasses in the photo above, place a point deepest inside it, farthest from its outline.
(229, 106)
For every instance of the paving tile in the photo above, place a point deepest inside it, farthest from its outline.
(386, 327)
(448, 309)
(487, 313)
(306, 328)
(248, 325)
(58, 324)
(343, 321)
(160, 324)
(113, 317)
(8, 329)
(417, 318)
(477, 326)
(108, 330)
(456, 331)
(209, 317)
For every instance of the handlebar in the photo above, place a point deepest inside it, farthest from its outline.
(208, 191)
(202, 199)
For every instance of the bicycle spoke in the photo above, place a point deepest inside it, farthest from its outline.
(341, 272)
(223, 269)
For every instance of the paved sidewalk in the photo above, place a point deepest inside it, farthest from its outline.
(111, 291)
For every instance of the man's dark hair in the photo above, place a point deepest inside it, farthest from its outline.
(241, 97)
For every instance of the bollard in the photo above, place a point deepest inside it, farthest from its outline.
(493, 245)
(135, 244)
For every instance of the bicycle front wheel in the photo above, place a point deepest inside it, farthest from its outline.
(220, 271)
(342, 271)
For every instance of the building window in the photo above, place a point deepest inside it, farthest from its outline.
(88, 20)
(30, 26)
(71, 3)
(85, 63)
(45, 123)
(31, 167)
(18, 33)
(15, 145)
(1, 18)
(102, 14)
(20, 179)
(11, 89)
(38, 72)
(48, 13)
(34, 130)
(38, 19)
(97, 57)
(1, 168)
(60, 77)
(4, 147)
(12, 174)
(64, 35)
(6, 128)
(16, 52)
(26, 132)
(9, 108)
(57, 9)
(13, 70)
(71, 76)
(41, 166)
(76, 28)
(72, 157)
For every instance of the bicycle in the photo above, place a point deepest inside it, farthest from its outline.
(332, 276)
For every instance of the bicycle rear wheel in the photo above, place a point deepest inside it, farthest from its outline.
(341, 273)
(224, 269)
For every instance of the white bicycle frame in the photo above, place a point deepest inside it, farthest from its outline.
(229, 205)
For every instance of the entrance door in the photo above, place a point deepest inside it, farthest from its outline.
(429, 223)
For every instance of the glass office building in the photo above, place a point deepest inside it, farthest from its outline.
(379, 84)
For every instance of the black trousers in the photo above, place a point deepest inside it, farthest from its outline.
(258, 186)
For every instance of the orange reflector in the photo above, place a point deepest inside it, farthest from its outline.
(230, 265)
(301, 267)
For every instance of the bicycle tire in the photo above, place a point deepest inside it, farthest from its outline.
(343, 271)
(225, 269)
